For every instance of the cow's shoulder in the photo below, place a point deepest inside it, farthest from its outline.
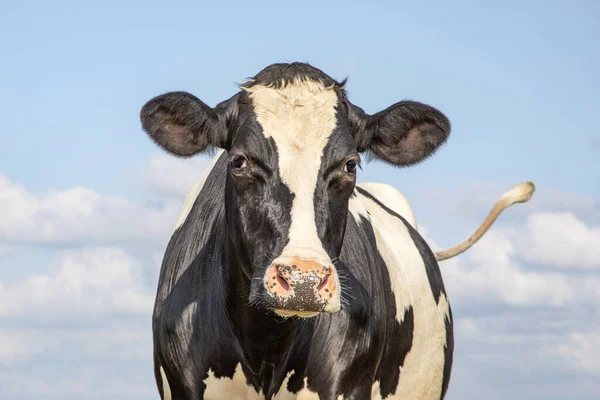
(190, 290)
(192, 259)
(392, 198)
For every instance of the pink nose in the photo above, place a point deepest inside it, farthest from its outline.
(302, 278)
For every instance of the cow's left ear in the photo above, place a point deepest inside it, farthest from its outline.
(404, 134)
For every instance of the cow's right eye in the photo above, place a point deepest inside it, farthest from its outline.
(238, 163)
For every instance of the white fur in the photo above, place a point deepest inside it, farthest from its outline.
(165, 385)
(357, 208)
(520, 193)
(392, 198)
(236, 388)
(303, 394)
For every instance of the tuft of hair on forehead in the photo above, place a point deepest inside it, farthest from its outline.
(280, 75)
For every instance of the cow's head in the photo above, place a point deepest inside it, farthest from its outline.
(294, 143)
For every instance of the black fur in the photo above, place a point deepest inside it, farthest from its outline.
(448, 353)
(281, 74)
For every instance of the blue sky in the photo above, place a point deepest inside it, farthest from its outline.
(80, 182)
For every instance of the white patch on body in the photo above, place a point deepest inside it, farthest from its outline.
(392, 198)
(236, 388)
(303, 394)
(194, 192)
(165, 385)
(357, 208)
(422, 373)
(299, 117)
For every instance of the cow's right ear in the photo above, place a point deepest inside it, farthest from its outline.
(183, 125)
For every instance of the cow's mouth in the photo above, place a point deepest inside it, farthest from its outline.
(291, 313)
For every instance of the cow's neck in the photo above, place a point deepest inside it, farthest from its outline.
(265, 340)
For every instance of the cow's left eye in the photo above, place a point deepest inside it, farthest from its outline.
(350, 166)
(239, 162)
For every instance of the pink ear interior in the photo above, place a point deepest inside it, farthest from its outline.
(422, 137)
(413, 146)
(180, 135)
(176, 137)
(413, 139)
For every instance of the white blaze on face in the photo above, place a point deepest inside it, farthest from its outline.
(299, 117)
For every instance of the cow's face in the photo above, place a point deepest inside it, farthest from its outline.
(294, 144)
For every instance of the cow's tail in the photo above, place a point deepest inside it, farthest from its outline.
(520, 193)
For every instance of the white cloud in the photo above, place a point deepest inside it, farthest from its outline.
(523, 354)
(541, 314)
(99, 280)
(125, 340)
(19, 345)
(6, 251)
(82, 378)
(91, 307)
(582, 350)
(496, 269)
(172, 176)
(78, 215)
(489, 273)
(560, 239)
(472, 203)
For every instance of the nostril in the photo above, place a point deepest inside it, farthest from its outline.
(282, 282)
(323, 283)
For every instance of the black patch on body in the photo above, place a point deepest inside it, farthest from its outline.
(398, 345)
(448, 353)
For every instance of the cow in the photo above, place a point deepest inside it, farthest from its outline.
(283, 278)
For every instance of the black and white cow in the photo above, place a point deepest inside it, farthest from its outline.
(283, 279)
